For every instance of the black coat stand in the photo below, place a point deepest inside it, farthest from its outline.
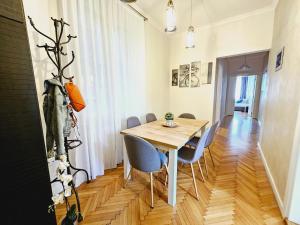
(55, 51)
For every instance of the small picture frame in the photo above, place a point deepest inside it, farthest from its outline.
(279, 59)
(175, 77)
(184, 76)
(195, 74)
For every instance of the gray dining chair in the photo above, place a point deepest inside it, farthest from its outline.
(187, 116)
(188, 155)
(133, 121)
(144, 157)
(194, 141)
(150, 117)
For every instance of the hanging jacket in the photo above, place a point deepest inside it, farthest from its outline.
(57, 116)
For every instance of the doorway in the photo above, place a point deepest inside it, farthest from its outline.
(244, 95)
(238, 85)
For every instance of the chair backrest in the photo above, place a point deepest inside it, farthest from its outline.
(133, 121)
(142, 155)
(150, 117)
(200, 146)
(211, 134)
(187, 116)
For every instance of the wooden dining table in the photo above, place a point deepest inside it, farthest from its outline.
(166, 139)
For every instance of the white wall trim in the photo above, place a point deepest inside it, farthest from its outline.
(271, 179)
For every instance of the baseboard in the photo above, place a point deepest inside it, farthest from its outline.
(290, 223)
(269, 174)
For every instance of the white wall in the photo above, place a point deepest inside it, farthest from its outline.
(263, 97)
(198, 101)
(157, 69)
(292, 200)
(263, 90)
(282, 103)
(294, 214)
(234, 36)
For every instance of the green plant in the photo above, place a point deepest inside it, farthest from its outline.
(169, 116)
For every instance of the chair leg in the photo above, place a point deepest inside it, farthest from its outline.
(194, 179)
(151, 183)
(129, 174)
(166, 179)
(211, 157)
(201, 172)
(206, 168)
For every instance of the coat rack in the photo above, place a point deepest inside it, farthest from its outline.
(55, 51)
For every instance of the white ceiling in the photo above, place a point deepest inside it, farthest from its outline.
(205, 12)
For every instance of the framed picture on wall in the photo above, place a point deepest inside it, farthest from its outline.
(184, 75)
(206, 73)
(175, 77)
(279, 59)
(195, 74)
(209, 72)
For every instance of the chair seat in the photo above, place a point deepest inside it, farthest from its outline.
(193, 142)
(186, 155)
(163, 158)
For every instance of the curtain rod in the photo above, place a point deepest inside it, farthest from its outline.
(137, 12)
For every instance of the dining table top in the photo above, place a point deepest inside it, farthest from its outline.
(169, 137)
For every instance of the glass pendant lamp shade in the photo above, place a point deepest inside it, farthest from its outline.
(190, 35)
(170, 17)
(244, 68)
(190, 38)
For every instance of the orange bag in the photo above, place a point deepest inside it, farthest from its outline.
(76, 99)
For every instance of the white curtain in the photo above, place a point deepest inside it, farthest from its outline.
(110, 71)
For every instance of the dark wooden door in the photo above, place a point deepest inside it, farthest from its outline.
(24, 177)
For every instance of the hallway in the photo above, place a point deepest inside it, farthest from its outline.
(237, 191)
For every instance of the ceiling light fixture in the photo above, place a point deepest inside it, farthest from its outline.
(245, 68)
(190, 39)
(170, 17)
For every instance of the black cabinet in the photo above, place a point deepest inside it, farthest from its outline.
(24, 169)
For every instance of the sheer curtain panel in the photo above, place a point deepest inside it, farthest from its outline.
(109, 68)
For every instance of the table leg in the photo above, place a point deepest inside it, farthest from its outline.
(172, 177)
(126, 162)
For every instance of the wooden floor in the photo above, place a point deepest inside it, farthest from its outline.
(236, 192)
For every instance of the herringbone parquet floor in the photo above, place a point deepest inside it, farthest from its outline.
(236, 191)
